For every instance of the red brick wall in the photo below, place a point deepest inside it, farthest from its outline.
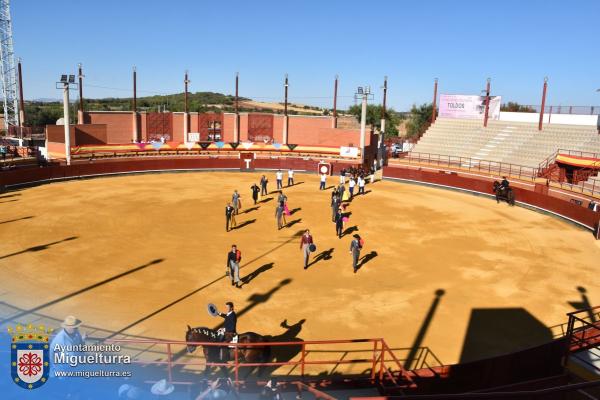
(80, 134)
(119, 125)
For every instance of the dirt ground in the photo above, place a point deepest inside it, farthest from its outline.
(143, 255)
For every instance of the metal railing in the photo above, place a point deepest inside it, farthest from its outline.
(584, 187)
(473, 164)
(583, 329)
(381, 362)
(560, 109)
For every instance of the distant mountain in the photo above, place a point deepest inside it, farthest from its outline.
(44, 100)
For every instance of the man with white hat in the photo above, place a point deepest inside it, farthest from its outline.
(162, 388)
(68, 336)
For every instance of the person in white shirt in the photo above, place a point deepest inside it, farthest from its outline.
(323, 181)
(342, 178)
(290, 177)
(279, 179)
(351, 185)
(361, 185)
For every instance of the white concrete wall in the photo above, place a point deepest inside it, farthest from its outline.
(567, 119)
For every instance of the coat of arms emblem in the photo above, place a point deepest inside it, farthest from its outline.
(29, 355)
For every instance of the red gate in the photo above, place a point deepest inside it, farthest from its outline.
(210, 127)
(260, 127)
(159, 125)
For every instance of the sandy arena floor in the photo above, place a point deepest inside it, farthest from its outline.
(143, 255)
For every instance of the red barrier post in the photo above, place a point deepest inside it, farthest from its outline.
(302, 360)
(170, 362)
(374, 361)
(236, 365)
(382, 364)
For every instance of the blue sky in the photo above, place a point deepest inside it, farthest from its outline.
(516, 43)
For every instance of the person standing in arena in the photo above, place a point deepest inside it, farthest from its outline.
(263, 186)
(305, 243)
(255, 191)
(229, 217)
(339, 222)
(355, 248)
(361, 184)
(279, 179)
(351, 184)
(236, 202)
(279, 215)
(233, 264)
(335, 204)
(323, 182)
(290, 177)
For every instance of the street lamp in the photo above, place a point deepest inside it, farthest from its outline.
(66, 82)
(364, 93)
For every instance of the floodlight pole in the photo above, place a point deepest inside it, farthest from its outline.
(543, 104)
(80, 111)
(236, 128)
(435, 88)
(335, 90)
(285, 112)
(66, 122)
(487, 103)
(186, 115)
(363, 124)
(135, 113)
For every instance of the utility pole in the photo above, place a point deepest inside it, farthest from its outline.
(383, 108)
(21, 98)
(487, 103)
(543, 103)
(80, 119)
(186, 116)
(435, 88)
(135, 113)
(236, 130)
(285, 112)
(335, 90)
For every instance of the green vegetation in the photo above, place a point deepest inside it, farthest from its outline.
(516, 107)
(392, 118)
(419, 120)
(47, 113)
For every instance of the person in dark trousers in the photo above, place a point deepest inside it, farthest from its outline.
(230, 323)
(323, 182)
(290, 177)
(230, 326)
(339, 223)
(335, 205)
(355, 247)
(504, 184)
(263, 186)
(341, 190)
(255, 191)
(233, 264)
(305, 243)
(229, 217)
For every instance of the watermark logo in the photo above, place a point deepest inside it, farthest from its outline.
(29, 355)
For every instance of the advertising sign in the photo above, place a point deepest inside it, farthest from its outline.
(468, 107)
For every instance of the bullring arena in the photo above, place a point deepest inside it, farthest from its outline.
(119, 221)
(140, 256)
